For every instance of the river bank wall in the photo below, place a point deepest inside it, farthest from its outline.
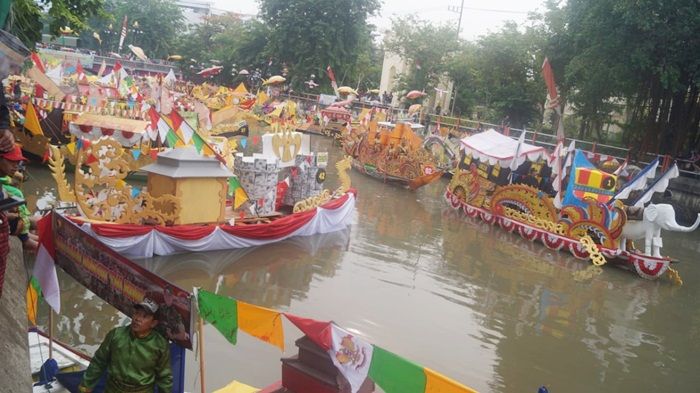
(15, 371)
(685, 198)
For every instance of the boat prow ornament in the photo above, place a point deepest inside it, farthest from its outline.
(99, 189)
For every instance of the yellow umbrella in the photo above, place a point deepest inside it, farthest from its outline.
(373, 91)
(275, 79)
(175, 57)
(347, 90)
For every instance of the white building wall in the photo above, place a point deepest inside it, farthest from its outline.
(394, 65)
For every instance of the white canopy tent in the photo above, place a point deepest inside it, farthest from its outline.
(493, 147)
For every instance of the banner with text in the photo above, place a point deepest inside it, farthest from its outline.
(120, 281)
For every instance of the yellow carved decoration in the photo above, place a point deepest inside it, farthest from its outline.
(58, 169)
(527, 198)
(343, 166)
(533, 220)
(283, 142)
(594, 253)
(674, 276)
(102, 194)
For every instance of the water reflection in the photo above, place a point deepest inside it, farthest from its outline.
(483, 306)
(271, 275)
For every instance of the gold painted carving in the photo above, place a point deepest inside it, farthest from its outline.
(343, 166)
(283, 142)
(102, 194)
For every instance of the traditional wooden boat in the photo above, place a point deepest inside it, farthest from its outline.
(517, 186)
(392, 153)
(186, 206)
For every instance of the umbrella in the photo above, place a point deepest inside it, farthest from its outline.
(413, 94)
(275, 79)
(347, 90)
(373, 91)
(175, 57)
(211, 71)
(138, 52)
(244, 72)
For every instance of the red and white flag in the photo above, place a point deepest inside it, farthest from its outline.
(548, 76)
(351, 356)
(102, 69)
(80, 71)
(331, 75)
(45, 267)
(122, 36)
(158, 123)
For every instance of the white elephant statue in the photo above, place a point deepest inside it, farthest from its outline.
(654, 219)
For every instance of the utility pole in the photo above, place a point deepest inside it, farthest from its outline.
(459, 27)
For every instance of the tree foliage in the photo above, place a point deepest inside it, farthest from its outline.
(28, 16)
(228, 41)
(641, 54)
(153, 25)
(309, 35)
(426, 48)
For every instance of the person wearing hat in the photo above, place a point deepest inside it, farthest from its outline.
(136, 357)
(19, 217)
(9, 162)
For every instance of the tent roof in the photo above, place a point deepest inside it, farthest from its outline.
(186, 162)
(112, 122)
(492, 146)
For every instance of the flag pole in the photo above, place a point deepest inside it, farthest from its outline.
(200, 339)
(50, 333)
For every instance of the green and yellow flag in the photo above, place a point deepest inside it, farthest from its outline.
(239, 194)
(228, 315)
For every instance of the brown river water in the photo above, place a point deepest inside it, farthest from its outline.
(487, 308)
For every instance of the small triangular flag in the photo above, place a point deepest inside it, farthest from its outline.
(135, 192)
(136, 153)
(244, 142)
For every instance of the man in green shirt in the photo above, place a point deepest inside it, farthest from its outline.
(136, 357)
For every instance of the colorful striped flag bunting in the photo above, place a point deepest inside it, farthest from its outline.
(354, 358)
(228, 315)
(395, 374)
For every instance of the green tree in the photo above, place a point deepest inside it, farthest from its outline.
(227, 40)
(27, 17)
(153, 25)
(638, 54)
(309, 35)
(427, 49)
(507, 78)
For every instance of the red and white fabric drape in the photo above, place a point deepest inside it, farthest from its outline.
(147, 241)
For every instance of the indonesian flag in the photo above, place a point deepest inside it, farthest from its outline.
(331, 75)
(37, 62)
(80, 71)
(351, 355)
(44, 267)
(103, 68)
(122, 36)
(158, 123)
(180, 125)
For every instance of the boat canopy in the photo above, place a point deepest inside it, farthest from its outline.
(494, 147)
(93, 126)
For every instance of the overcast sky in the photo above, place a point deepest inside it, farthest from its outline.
(480, 16)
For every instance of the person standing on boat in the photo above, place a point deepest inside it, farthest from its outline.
(136, 357)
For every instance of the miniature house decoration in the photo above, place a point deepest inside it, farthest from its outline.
(258, 175)
(201, 184)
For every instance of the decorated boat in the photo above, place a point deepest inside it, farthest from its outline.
(392, 153)
(521, 188)
(193, 202)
